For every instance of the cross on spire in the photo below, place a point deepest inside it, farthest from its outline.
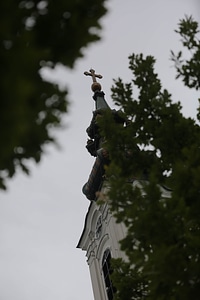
(95, 85)
(92, 73)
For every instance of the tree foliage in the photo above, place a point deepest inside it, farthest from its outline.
(34, 34)
(162, 242)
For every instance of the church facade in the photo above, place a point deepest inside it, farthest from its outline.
(100, 240)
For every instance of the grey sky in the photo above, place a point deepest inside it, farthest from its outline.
(42, 216)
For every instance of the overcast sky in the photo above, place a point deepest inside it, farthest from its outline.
(42, 216)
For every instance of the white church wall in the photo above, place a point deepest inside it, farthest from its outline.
(101, 232)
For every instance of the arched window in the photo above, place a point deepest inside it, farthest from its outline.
(106, 273)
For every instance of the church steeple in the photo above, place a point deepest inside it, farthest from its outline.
(96, 143)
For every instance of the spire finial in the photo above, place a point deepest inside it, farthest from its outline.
(95, 85)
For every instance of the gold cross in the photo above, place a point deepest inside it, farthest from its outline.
(92, 73)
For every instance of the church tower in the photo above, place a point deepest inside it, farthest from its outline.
(101, 234)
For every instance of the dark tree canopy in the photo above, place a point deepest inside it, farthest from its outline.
(35, 34)
(162, 242)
